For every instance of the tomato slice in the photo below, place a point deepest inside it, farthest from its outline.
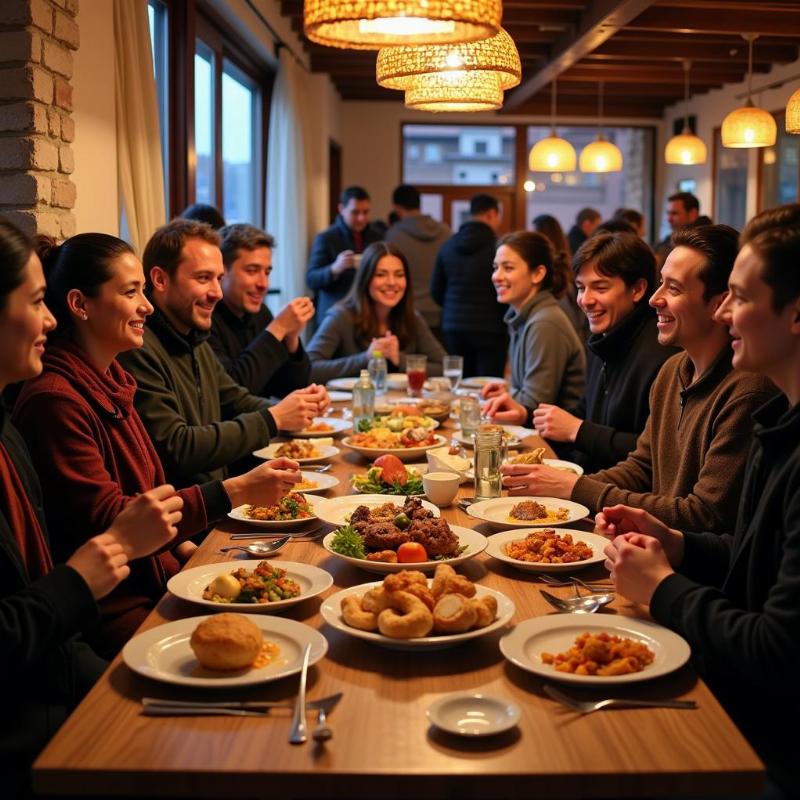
(411, 553)
(392, 470)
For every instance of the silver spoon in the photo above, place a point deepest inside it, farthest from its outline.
(258, 548)
(322, 732)
(318, 469)
(593, 586)
(587, 604)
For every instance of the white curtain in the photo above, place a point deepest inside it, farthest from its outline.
(140, 169)
(287, 217)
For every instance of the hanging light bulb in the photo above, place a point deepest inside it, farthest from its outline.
(600, 155)
(455, 91)
(749, 126)
(793, 113)
(686, 148)
(372, 24)
(552, 154)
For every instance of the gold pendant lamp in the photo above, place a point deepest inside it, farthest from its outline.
(793, 113)
(372, 24)
(552, 154)
(456, 91)
(686, 148)
(600, 155)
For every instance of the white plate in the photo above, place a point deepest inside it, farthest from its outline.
(469, 441)
(335, 510)
(421, 470)
(326, 451)
(342, 384)
(403, 453)
(498, 542)
(164, 653)
(495, 512)
(479, 381)
(552, 462)
(475, 542)
(396, 381)
(557, 633)
(339, 397)
(190, 584)
(239, 515)
(332, 614)
(336, 423)
(324, 481)
(466, 714)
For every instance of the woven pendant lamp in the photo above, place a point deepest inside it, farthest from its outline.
(552, 154)
(600, 155)
(372, 24)
(400, 67)
(793, 113)
(749, 126)
(686, 148)
(456, 91)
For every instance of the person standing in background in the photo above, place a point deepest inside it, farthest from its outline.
(683, 209)
(585, 223)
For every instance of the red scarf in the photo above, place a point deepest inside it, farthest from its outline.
(22, 519)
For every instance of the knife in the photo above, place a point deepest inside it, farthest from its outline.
(298, 733)
(155, 707)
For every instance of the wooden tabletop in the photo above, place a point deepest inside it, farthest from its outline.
(383, 745)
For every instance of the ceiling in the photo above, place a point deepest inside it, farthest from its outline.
(635, 47)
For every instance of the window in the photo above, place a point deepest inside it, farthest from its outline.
(780, 169)
(730, 184)
(204, 124)
(158, 17)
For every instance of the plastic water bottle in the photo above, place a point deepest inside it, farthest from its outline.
(363, 401)
(377, 371)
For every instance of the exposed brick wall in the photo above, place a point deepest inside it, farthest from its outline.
(37, 40)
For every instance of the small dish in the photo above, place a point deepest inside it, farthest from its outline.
(473, 714)
(336, 396)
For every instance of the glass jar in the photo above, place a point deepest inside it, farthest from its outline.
(488, 461)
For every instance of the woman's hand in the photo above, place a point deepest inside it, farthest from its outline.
(637, 564)
(149, 522)
(554, 423)
(264, 485)
(618, 520)
(492, 389)
(503, 408)
(538, 479)
(389, 345)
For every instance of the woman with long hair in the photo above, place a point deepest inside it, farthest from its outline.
(89, 445)
(377, 314)
(548, 361)
(44, 671)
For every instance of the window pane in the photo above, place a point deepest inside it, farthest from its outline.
(157, 16)
(240, 160)
(730, 184)
(564, 194)
(204, 125)
(781, 165)
(452, 155)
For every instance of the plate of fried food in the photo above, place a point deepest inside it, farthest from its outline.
(389, 538)
(510, 434)
(547, 549)
(314, 482)
(303, 451)
(407, 445)
(322, 427)
(406, 611)
(250, 586)
(536, 456)
(223, 650)
(402, 422)
(293, 510)
(338, 511)
(593, 650)
(436, 409)
(527, 512)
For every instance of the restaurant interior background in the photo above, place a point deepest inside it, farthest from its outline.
(347, 130)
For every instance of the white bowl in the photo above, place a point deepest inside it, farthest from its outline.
(473, 714)
(441, 488)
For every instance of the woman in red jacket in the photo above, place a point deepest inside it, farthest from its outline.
(90, 448)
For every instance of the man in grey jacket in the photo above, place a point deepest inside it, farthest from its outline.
(419, 238)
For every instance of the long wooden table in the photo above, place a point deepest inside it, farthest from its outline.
(383, 745)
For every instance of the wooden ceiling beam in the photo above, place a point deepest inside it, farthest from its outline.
(629, 107)
(735, 67)
(596, 25)
(667, 48)
(590, 72)
(784, 22)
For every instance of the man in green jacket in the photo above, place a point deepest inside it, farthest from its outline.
(199, 419)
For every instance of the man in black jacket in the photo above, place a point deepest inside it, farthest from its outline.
(472, 322)
(585, 225)
(736, 599)
(261, 353)
(336, 251)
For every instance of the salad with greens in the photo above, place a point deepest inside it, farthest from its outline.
(376, 481)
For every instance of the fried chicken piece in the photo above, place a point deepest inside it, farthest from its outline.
(361, 514)
(384, 556)
(447, 581)
(400, 581)
(383, 536)
(434, 535)
(414, 509)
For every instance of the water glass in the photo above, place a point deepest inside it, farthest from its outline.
(469, 414)
(416, 366)
(488, 460)
(453, 370)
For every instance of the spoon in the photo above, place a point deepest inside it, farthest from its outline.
(322, 732)
(319, 469)
(587, 604)
(258, 548)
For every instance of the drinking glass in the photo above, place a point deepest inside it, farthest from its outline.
(488, 460)
(469, 414)
(416, 366)
(453, 370)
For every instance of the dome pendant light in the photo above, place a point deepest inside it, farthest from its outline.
(749, 126)
(455, 91)
(793, 113)
(686, 148)
(552, 154)
(600, 155)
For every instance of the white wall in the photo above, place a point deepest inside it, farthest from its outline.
(710, 109)
(95, 145)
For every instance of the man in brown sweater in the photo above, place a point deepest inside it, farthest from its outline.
(688, 465)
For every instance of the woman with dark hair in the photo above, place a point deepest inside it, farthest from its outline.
(377, 314)
(44, 671)
(88, 443)
(548, 361)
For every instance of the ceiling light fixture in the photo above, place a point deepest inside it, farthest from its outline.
(600, 155)
(456, 91)
(749, 126)
(793, 113)
(372, 24)
(686, 148)
(552, 154)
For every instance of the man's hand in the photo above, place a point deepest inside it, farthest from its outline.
(637, 564)
(554, 423)
(102, 563)
(148, 522)
(615, 521)
(502, 408)
(493, 389)
(291, 319)
(538, 479)
(264, 485)
(344, 261)
(297, 410)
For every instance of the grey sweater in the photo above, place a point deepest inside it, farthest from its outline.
(548, 362)
(336, 351)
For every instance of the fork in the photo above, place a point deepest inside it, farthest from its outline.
(587, 706)
(318, 469)
(590, 587)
